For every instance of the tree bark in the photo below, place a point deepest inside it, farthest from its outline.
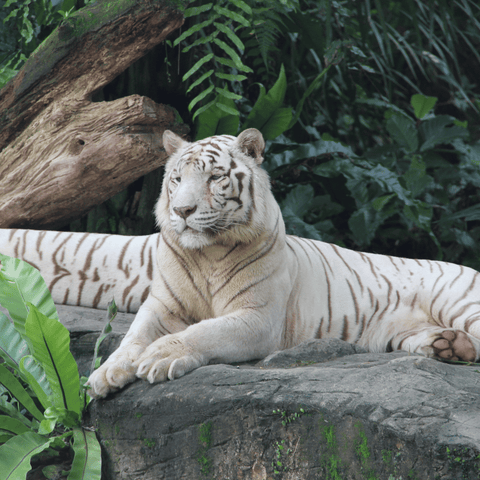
(60, 153)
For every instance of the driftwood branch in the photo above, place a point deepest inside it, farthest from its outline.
(60, 153)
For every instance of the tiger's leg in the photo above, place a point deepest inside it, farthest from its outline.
(119, 370)
(440, 342)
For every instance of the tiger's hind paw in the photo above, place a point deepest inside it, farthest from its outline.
(454, 345)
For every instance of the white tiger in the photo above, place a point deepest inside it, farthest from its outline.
(228, 285)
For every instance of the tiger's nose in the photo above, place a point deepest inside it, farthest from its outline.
(184, 212)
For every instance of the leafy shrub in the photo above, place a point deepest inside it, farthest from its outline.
(348, 63)
(43, 399)
(404, 190)
(24, 25)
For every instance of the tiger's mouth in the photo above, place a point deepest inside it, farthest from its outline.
(206, 231)
(182, 228)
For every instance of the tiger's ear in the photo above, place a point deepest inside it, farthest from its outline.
(171, 142)
(251, 142)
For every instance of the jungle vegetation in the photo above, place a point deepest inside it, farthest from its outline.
(370, 110)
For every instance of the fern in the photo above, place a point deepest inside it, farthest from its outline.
(264, 33)
(220, 50)
(217, 36)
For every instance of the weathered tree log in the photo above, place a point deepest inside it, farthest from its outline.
(60, 153)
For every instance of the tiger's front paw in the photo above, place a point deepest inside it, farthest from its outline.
(115, 373)
(168, 357)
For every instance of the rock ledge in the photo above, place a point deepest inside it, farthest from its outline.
(353, 415)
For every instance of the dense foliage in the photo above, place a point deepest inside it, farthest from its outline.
(376, 145)
(42, 397)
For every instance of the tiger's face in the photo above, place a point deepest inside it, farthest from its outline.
(207, 194)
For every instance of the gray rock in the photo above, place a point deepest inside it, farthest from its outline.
(387, 416)
(310, 352)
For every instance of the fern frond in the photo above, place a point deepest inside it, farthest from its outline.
(232, 15)
(231, 35)
(194, 11)
(218, 35)
(242, 5)
(229, 51)
(200, 80)
(200, 97)
(197, 66)
(192, 30)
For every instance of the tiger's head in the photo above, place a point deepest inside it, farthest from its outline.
(214, 190)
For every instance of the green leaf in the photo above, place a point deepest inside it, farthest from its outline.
(228, 125)
(220, 118)
(312, 87)
(464, 238)
(230, 77)
(231, 111)
(12, 346)
(416, 177)
(440, 130)
(278, 123)
(364, 223)
(241, 4)
(37, 379)
(471, 153)
(12, 425)
(87, 462)
(51, 347)
(311, 150)
(197, 66)
(468, 214)
(458, 123)
(5, 437)
(10, 382)
(231, 35)
(14, 349)
(403, 131)
(200, 97)
(8, 3)
(200, 80)
(204, 108)
(420, 213)
(21, 283)
(294, 225)
(267, 104)
(47, 426)
(388, 180)
(27, 28)
(194, 29)
(379, 202)
(230, 63)
(111, 314)
(16, 453)
(232, 15)
(200, 41)
(230, 52)
(12, 14)
(11, 410)
(227, 94)
(299, 200)
(422, 104)
(193, 11)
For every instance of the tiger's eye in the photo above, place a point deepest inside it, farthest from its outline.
(216, 177)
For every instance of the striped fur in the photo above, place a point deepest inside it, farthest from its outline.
(229, 284)
(87, 269)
